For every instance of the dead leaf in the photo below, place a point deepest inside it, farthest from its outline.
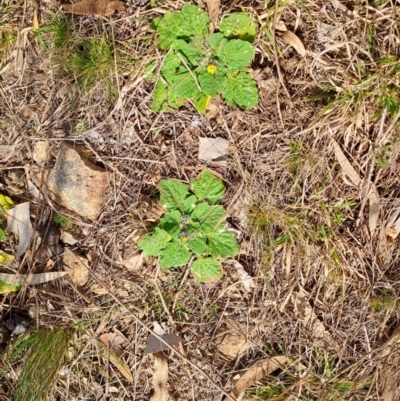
(68, 238)
(34, 191)
(77, 266)
(373, 196)
(213, 8)
(113, 341)
(133, 263)
(213, 149)
(393, 223)
(35, 23)
(94, 7)
(255, 373)
(280, 26)
(310, 321)
(99, 289)
(31, 279)
(233, 345)
(293, 40)
(123, 368)
(345, 164)
(212, 107)
(154, 345)
(19, 223)
(245, 277)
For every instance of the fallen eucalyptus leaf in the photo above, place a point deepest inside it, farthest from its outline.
(373, 196)
(293, 40)
(123, 368)
(255, 373)
(31, 279)
(19, 223)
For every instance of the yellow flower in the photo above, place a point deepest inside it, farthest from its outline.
(211, 69)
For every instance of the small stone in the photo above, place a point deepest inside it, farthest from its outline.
(41, 151)
(77, 183)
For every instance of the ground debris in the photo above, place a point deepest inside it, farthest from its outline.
(77, 183)
(103, 8)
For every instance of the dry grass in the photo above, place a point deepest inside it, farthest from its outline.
(305, 229)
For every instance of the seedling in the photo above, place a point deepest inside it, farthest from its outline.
(65, 223)
(193, 226)
(200, 66)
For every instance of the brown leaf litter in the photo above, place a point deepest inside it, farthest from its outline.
(101, 8)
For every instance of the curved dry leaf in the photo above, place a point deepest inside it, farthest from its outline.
(212, 107)
(293, 40)
(310, 321)
(213, 8)
(123, 368)
(245, 277)
(113, 341)
(256, 372)
(31, 279)
(19, 223)
(373, 196)
(345, 164)
(389, 374)
(35, 23)
(94, 7)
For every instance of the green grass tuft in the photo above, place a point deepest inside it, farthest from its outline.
(46, 352)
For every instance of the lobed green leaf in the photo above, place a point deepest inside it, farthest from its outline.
(197, 245)
(170, 223)
(189, 204)
(223, 244)
(153, 244)
(214, 40)
(213, 84)
(174, 254)
(194, 21)
(241, 90)
(208, 187)
(206, 218)
(192, 52)
(173, 194)
(160, 97)
(236, 54)
(206, 268)
(239, 25)
(200, 101)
